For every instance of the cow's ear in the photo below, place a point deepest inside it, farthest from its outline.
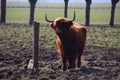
(51, 25)
(69, 23)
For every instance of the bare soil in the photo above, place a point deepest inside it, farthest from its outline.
(98, 63)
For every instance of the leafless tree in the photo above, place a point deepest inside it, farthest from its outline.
(87, 16)
(3, 11)
(65, 7)
(113, 2)
(32, 10)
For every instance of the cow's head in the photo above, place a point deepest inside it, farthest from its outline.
(61, 25)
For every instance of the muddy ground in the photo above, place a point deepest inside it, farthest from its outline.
(98, 63)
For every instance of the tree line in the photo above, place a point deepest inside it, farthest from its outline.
(32, 10)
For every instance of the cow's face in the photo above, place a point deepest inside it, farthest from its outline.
(61, 26)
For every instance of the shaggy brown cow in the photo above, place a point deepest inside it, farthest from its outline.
(71, 38)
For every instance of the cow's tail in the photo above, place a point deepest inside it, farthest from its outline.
(84, 30)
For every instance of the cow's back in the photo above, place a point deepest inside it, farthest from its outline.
(80, 35)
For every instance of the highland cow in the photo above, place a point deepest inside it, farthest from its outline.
(71, 39)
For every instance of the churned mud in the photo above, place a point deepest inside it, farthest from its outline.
(98, 63)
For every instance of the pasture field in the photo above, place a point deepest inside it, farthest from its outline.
(100, 13)
(22, 36)
(100, 60)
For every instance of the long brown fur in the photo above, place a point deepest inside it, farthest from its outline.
(70, 42)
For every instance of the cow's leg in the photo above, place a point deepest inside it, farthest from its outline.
(71, 62)
(64, 63)
(79, 61)
(79, 58)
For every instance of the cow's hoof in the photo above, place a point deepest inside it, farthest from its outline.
(78, 65)
(64, 68)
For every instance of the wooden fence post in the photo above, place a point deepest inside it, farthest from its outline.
(36, 45)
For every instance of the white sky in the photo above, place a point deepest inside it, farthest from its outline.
(101, 1)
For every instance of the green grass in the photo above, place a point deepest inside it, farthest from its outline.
(22, 37)
(17, 15)
(100, 13)
(103, 37)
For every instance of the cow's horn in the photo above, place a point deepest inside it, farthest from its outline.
(73, 17)
(47, 19)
